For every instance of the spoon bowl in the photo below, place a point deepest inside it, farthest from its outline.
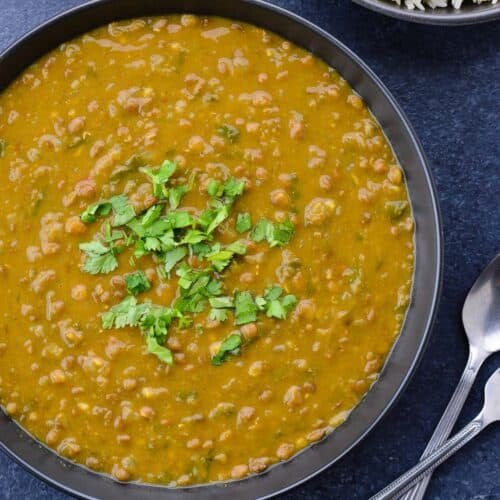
(491, 408)
(481, 312)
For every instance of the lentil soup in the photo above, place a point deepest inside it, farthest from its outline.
(206, 249)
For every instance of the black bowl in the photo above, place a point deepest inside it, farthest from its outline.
(408, 348)
(469, 13)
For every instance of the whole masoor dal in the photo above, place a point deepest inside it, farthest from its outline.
(74, 128)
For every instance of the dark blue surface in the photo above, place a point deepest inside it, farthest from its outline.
(448, 82)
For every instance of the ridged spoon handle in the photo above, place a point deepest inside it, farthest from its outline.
(436, 458)
(450, 415)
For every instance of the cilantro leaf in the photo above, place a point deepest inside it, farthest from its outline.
(99, 258)
(220, 259)
(175, 195)
(151, 215)
(160, 176)
(121, 315)
(137, 282)
(229, 347)
(179, 219)
(232, 134)
(243, 222)
(194, 236)
(162, 352)
(220, 315)
(274, 304)
(245, 308)
(276, 234)
(173, 257)
(123, 210)
(214, 188)
(98, 209)
(221, 302)
(234, 187)
(273, 292)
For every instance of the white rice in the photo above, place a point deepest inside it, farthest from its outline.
(433, 4)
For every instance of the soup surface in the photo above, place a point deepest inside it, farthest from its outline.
(206, 249)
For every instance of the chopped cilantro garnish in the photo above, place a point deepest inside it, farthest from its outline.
(162, 352)
(152, 215)
(221, 258)
(175, 195)
(160, 176)
(123, 211)
(169, 235)
(214, 188)
(217, 314)
(220, 306)
(234, 187)
(229, 347)
(137, 282)
(173, 257)
(243, 222)
(245, 308)
(275, 304)
(98, 209)
(194, 236)
(231, 133)
(100, 258)
(276, 234)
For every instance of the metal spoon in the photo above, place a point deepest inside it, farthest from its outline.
(481, 319)
(490, 413)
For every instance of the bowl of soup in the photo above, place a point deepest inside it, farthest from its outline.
(220, 250)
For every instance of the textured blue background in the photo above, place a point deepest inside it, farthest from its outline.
(448, 82)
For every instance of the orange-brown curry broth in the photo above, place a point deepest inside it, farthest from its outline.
(159, 89)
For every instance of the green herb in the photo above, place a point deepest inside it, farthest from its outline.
(160, 176)
(100, 259)
(275, 304)
(195, 287)
(221, 302)
(234, 187)
(221, 258)
(98, 209)
(169, 235)
(152, 215)
(245, 308)
(214, 188)
(229, 347)
(162, 352)
(211, 218)
(395, 209)
(232, 134)
(276, 234)
(137, 282)
(220, 307)
(194, 236)
(217, 314)
(123, 211)
(175, 195)
(243, 222)
(173, 257)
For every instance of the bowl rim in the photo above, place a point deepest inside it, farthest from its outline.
(79, 481)
(447, 16)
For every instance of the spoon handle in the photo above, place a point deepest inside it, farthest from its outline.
(449, 417)
(436, 458)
